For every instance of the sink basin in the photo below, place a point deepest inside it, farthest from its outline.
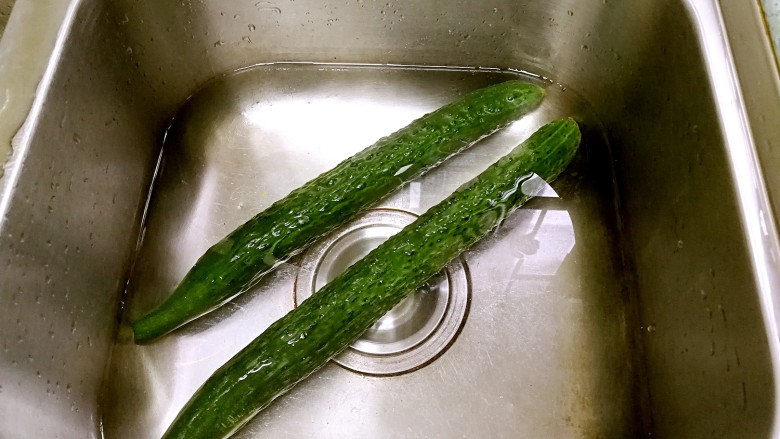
(636, 298)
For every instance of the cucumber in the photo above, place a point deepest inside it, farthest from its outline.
(238, 261)
(307, 337)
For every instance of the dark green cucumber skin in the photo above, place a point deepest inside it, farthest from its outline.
(307, 337)
(238, 261)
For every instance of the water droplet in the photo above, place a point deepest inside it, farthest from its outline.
(651, 328)
(680, 244)
(76, 138)
(268, 7)
(219, 43)
(252, 27)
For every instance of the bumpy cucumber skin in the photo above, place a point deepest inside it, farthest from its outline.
(238, 261)
(306, 338)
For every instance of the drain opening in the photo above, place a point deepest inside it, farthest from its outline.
(415, 331)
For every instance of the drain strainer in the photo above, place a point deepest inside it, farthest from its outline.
(415, 331)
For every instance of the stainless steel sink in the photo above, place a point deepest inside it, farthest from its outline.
(637, 299)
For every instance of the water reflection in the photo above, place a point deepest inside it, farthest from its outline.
(538, 242)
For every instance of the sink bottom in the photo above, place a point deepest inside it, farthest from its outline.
(545, 350)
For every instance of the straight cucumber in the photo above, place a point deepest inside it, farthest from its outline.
(238, 261)
(307, 337)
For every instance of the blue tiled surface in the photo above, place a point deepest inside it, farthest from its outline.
(772, 10)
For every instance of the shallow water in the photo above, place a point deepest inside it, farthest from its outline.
(542, 347)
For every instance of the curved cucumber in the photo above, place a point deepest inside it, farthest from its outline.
(237, 262)
(306, 338)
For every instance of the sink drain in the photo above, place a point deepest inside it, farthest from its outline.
(415, 331)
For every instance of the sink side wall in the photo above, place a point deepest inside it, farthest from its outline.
(71, 226)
